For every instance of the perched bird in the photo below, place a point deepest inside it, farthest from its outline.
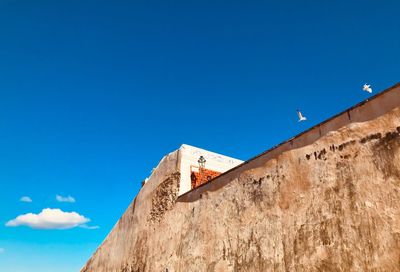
(367, 88)
(301, 117)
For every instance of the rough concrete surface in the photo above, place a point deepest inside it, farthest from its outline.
(333, 205)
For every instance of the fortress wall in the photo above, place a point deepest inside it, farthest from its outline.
(285, 210)
(168, 165)
(161, 185)
(365, 111)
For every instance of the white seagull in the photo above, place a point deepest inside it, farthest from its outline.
(301, 117)
(367, 88)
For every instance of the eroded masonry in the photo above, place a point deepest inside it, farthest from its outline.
(325, 200)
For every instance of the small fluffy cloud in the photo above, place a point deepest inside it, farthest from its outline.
(69, 199)
(2, 250)
(25, 199)
(49, 219)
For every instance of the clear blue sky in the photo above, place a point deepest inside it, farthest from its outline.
(94, 93)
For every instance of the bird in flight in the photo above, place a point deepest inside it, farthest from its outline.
(301, 117)
(367, 88)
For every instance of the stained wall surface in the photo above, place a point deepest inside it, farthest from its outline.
(365, 111)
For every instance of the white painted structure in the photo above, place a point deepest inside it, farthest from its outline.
(185, 158)
(189, 155)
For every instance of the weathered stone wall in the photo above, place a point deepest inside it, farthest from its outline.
(332, 205)
(367, 110)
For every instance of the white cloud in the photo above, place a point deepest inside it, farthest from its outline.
(2, 250)
(49, 219)
(25, 199)
(65, 199)
(84, 226)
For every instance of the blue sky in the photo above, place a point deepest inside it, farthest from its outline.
(94, 93)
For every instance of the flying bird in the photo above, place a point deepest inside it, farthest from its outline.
(301, 117)
(367, 88)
